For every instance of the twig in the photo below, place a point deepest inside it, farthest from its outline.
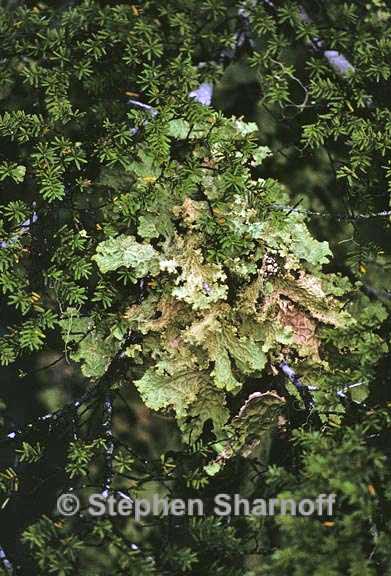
(23, 228)
(5, 562)
(147, 107)
(383, 214)
(50, 365)
(107, 425)
(303, 390)
(92, 391)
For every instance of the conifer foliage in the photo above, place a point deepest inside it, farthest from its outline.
(144, 240)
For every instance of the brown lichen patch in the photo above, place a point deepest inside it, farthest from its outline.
(303, 326)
